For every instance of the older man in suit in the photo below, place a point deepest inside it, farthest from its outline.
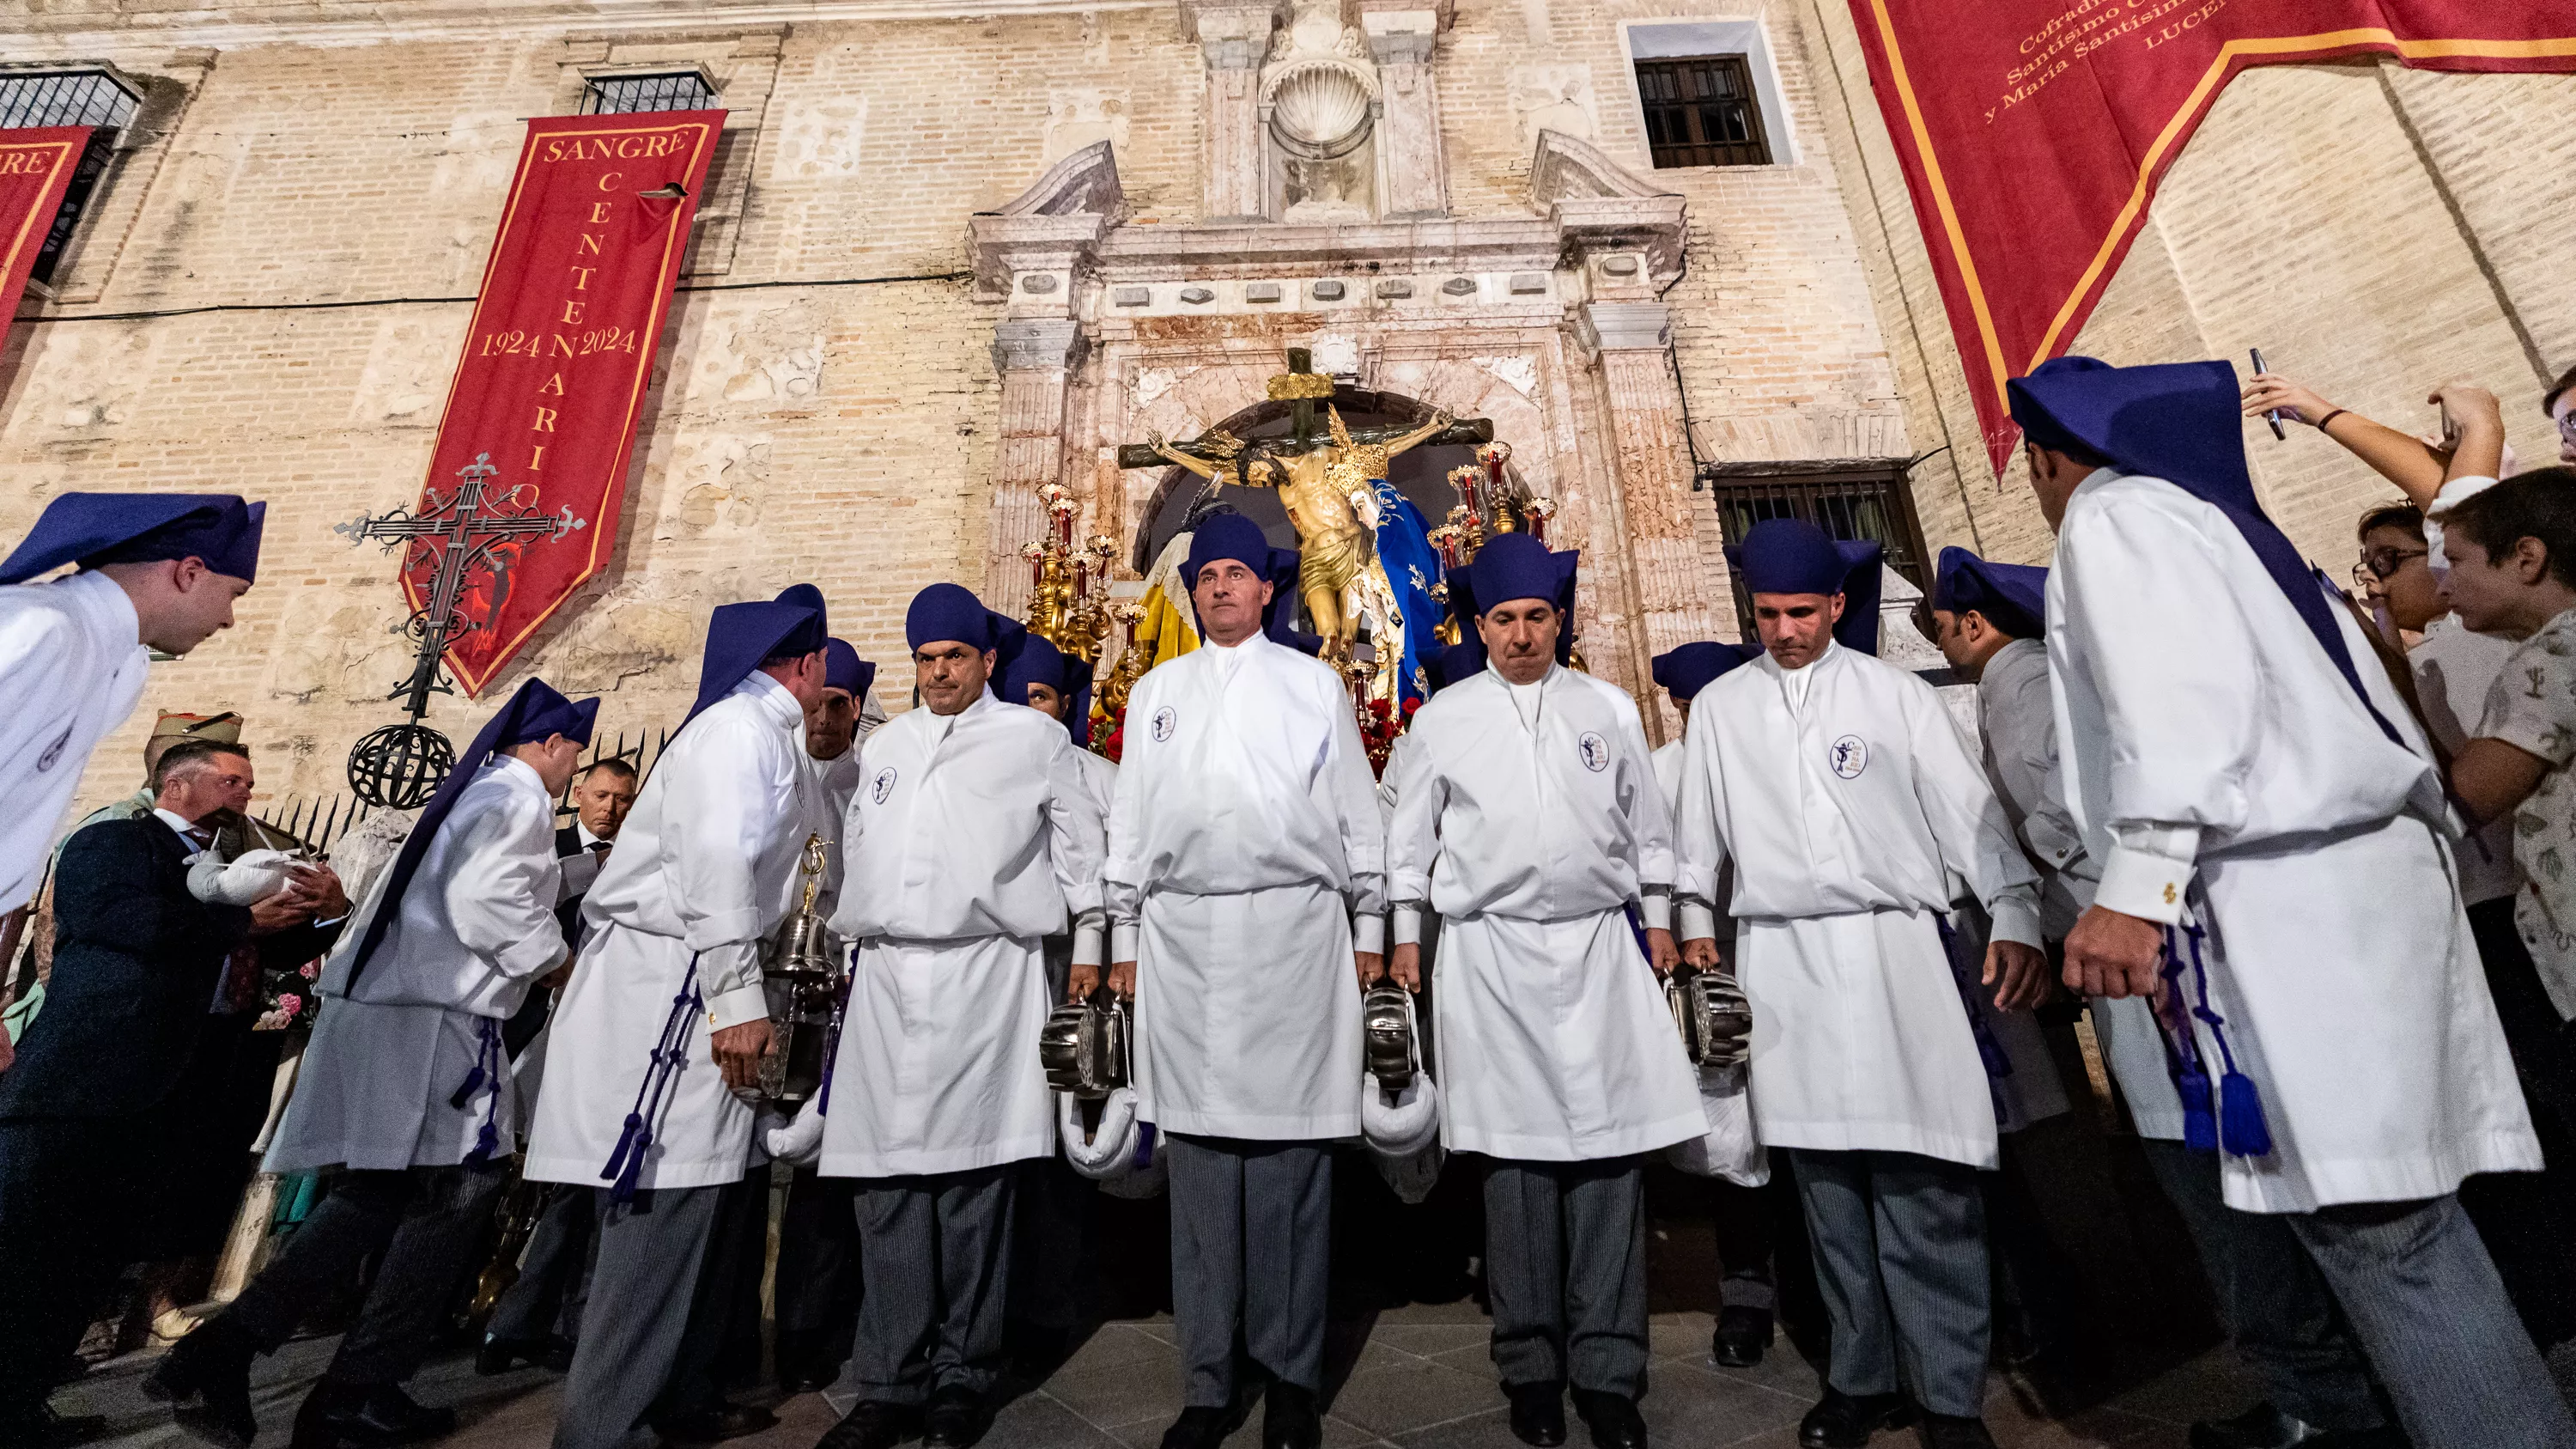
(94, 1110)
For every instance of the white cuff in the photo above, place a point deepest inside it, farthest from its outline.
(1087, 941)
(2457, 490)
(2015, 918)
(1122, 940)
(2143, 883)
(1656, 909)
(733, 1008)
(1368, 933)
(1408, 925)
(1698, 922)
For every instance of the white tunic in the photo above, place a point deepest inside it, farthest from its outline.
(2206, 734)
(1668, 772)
(1245, 833)
(707, 867)
(971, 837)
(2017, 719)
(1849, 807)
(1529, 818)
(71, 669)
(475, 930)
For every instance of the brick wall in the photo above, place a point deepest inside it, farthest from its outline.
(811, 418)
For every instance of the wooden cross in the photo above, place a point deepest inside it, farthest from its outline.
(464, 529)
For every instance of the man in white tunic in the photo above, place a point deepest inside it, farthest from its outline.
(1839, 789)
(660, 1033)
(1682, 673)
(1053, 1258)
(2276, 858)
(972, 838)
(1244, 841)
(817, 1290)
(1529, 818)
(405, 1084)
(154, 571)
(1991, 620)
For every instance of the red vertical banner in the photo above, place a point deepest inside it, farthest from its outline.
(559, 356)
(2033, 132)
(35, 169)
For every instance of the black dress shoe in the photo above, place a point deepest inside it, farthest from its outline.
(1954, 1431)
(205, 1379)
(500, 1355)
(714, 1426)
(955, 1419)
(2260, 1427)
(1612, 1418)
(1289, 1419)
(1845, 1421)
(872, 1425)
(1538, 1413)
(362, 1416)
(1204, 1428)
(1742, 1336)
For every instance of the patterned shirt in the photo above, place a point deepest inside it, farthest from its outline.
(2532, 707)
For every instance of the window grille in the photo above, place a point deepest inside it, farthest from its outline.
(1702, 110)
(1870, 502)
(617, 95)
(93, 98)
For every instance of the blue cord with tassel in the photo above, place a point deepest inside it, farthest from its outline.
(625, 1169)
(1990, 1052)
(487, 1071)
(2241, 1128)
(2182, 1057)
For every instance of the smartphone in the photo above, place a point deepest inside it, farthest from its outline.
(2274, 416)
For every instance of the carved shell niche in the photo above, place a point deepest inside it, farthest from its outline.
(1320, 105)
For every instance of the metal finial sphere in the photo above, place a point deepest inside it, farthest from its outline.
(400, 766)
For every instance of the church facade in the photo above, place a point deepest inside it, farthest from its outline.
(949, 255)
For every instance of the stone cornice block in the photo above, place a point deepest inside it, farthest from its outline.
(1053, 226)
(90, 32)
(1232, 34)
(1402, 37)
(1442, 11)
(1651, 225)
(1043, 343)
(1626, 326)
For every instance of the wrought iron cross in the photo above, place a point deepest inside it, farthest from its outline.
(465, 528)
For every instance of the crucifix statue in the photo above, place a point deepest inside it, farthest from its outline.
(464, 530)
(1324, 484)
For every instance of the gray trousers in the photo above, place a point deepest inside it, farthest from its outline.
(1900, 1245)
(644, 1276)
(1565, 1270)
(1252, 1237)
(935, 1253)
(2425, 1301)
(554, 1278)
(2276, 1304)
(425, 1220)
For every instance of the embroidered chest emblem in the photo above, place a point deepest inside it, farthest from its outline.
(1848, 756)
(54, 751)
(1165, 721)
(1595, 751)
(882, 786)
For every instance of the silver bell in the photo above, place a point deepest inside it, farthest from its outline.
(1386, 1021)
(1714, 1018)
(1083, 1047)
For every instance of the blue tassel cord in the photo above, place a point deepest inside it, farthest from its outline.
(1990, 1052)
(2232, 1117)
(625, 1169)
(2241, 1128)
(486, 1076)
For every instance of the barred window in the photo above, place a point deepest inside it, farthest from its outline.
(1854, 502)
(1702, 110)
(32, 99)
(617, 95)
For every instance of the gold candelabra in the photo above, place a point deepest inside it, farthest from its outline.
(1113, 691)
(1068, 582)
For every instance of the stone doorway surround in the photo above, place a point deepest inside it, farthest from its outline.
(1551, 324)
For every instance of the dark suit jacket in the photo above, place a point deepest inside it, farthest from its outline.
(522, 1028)
(136, 963)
